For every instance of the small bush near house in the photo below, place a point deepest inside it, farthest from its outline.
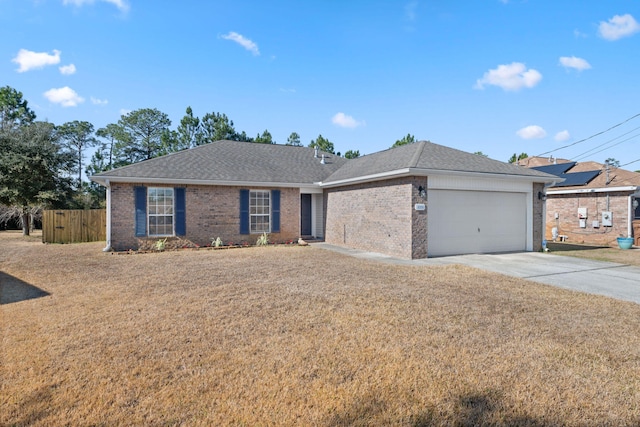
(263, 240)
(160, 244)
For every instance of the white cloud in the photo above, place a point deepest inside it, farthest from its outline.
(574, 62)
(96, 101)
(124, 111)
(562, 136)
(512, 76)
(67, 70)
(410, 10)
(619, 26)
(243, 41)
(123, 5)
(531, 132)
(64, 96)
(579, 34)
(29, 60)
(120, 4)
(345, 121)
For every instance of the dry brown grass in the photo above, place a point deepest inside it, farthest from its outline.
(302, 336)
(627, 257)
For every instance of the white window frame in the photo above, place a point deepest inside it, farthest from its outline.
(161, 210)
(257, 210)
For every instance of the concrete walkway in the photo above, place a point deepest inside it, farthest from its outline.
(595, 277)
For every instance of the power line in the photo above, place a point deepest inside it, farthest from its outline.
(637, 160)
(590, 137)
(611, 146)
(581, 155)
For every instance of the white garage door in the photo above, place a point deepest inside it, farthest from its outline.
(468, 222)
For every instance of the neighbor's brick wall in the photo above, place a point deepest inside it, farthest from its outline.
(377, 217)
(211, 211)
(566, 205)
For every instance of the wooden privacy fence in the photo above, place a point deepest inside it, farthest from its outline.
(74, 226)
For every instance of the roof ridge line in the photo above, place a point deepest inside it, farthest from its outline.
(416, 156)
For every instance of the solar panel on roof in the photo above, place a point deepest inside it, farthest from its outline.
(577, 178)
(556, 169)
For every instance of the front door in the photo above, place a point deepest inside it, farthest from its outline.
(305, 214)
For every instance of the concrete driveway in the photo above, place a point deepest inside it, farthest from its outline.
(595, 277)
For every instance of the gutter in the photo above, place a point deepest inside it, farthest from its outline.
(593, 190)
(399, 173)
(173, 181)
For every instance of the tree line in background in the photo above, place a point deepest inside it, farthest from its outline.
(41, 164)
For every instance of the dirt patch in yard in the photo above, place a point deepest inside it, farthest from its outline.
(303, 336)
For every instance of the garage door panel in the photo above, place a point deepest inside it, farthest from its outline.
(462, 222)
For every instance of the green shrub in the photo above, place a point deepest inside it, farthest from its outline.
(263, 240)
(160, 244)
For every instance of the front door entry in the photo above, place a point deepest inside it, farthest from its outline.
(305, 214)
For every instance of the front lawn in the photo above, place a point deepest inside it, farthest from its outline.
(301, 336)
(598, 253)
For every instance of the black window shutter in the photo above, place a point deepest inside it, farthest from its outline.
(140, 196)
(244, 211)
(275, 211)
(180, 217)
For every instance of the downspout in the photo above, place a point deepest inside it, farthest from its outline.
(107, 248)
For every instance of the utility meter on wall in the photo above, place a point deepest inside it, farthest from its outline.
(607, 219)
(582, 213)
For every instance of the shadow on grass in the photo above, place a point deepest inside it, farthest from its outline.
(475, 409)
(13, 289)
(34, 407)
(565, 247)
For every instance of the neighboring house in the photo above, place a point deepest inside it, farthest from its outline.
(594, 204)
(413, 201)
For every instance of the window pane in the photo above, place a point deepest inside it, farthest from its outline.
(259, 211)
(160, 211)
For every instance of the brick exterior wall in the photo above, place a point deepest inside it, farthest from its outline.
(379, 217)
(211, 211)
(419, 229)
(566, 206)
(538, 212)
(123, 217)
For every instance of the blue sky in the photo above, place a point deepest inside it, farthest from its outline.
(497, 76)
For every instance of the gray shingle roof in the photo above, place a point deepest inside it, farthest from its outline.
(232, 161)
(243, 162)
(428, 156)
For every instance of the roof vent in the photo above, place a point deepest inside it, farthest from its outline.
(315, 152)
(322, 162)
